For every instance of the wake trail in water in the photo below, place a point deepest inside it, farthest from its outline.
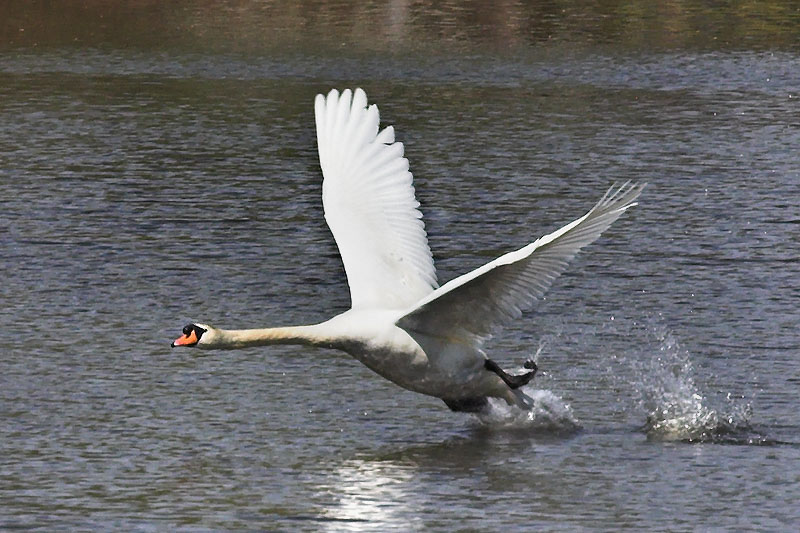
(662, 381)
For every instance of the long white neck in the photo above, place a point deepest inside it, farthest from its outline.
(312, 335)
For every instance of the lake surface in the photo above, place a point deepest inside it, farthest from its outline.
(158, 166)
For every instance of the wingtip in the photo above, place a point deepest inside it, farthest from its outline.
(353, 95)
(622, 196)
(359, 97)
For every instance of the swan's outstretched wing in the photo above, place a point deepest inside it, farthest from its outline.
(369, 203)
(469, 307)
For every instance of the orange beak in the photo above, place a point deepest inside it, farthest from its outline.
(185, 340)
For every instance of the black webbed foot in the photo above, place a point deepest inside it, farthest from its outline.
(513, 381)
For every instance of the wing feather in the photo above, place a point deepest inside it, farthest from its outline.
(368, 197)
(470, 307)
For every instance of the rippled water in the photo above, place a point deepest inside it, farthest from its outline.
(146, 183)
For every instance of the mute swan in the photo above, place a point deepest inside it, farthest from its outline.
(401, 324)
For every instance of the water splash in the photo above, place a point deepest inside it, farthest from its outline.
(678, 410)
(549, 414)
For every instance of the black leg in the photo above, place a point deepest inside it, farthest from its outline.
(514, 382)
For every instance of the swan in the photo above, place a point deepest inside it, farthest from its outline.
(402, 325)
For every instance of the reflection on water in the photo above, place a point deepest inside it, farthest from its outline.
(398, 489)
(371, 496)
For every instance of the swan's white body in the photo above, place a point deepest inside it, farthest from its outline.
(441, 367)
(401, 325)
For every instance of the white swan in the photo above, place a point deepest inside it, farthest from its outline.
(423, 338)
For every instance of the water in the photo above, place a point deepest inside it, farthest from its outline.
(158, 165)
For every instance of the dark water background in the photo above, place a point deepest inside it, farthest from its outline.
(158, 165)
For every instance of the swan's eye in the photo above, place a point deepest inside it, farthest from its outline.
(187, 330)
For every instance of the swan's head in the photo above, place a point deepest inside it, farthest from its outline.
(193, 335)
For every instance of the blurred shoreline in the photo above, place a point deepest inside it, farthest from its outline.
(398, 25)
